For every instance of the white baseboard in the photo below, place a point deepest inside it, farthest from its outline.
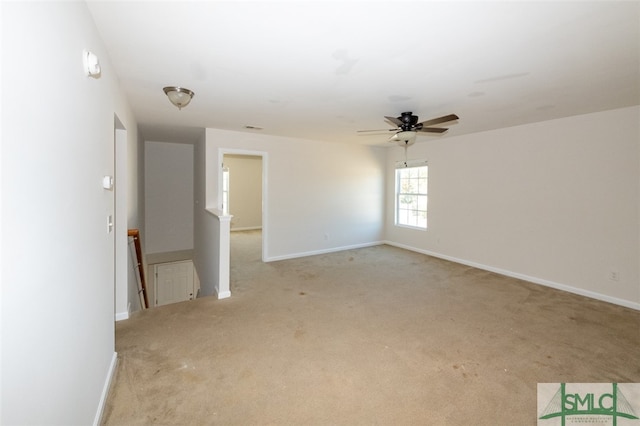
(246, 228)
(105, 390)
(123, 315)
(324, 251)
(546, 283)
(224, 294)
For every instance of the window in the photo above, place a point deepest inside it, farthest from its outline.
(225, 190)
(411, 194)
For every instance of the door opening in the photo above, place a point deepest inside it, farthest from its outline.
(121, 247)
(242, 178)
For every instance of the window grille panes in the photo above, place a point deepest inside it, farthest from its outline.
(411, 196)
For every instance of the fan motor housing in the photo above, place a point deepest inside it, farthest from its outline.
(408, 120)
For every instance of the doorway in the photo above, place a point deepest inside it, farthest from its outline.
(122, 305)
(243, 192)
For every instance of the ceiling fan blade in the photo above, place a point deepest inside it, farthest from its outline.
(394, 120)
(432, 130)
(378, 130)
(439, 120)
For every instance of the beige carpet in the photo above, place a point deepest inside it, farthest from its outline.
(374, 336)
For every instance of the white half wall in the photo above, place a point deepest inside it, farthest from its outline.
(206, 238)
(57, 254)
(557, 202)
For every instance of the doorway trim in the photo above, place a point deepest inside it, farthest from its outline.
(122, 306)
(265, 165)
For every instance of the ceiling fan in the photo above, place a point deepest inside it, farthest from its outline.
(408, 127)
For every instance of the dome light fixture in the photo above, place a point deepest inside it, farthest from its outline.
(179, 96)
(404, 138)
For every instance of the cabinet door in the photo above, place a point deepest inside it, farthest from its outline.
(174, 282)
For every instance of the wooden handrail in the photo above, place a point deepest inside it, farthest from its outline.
(136, 241)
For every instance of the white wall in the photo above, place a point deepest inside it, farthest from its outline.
(135, 216)
(121, 180)
(168, 196)
(320, 196)
(556, 202)
(206, 251)
(245, 191)
(57, 257)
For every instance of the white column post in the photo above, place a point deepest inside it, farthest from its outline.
(224, 255)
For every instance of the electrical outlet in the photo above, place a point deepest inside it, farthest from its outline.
(614, 275)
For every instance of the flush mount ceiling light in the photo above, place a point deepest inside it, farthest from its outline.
(179, 96)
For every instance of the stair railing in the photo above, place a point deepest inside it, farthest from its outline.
(143, 285)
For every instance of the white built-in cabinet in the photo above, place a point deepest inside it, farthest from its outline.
(173, 282)
(174, 278)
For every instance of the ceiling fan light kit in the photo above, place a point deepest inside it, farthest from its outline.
(408, 127)
(179, 96)
(404, 138)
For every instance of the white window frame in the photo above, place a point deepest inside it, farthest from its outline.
(418, 192)
(225, 190)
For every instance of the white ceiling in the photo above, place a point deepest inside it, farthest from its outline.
(323, 70)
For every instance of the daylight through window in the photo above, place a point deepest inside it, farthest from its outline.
(411, 195)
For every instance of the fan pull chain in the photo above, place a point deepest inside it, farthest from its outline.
(406, 145)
